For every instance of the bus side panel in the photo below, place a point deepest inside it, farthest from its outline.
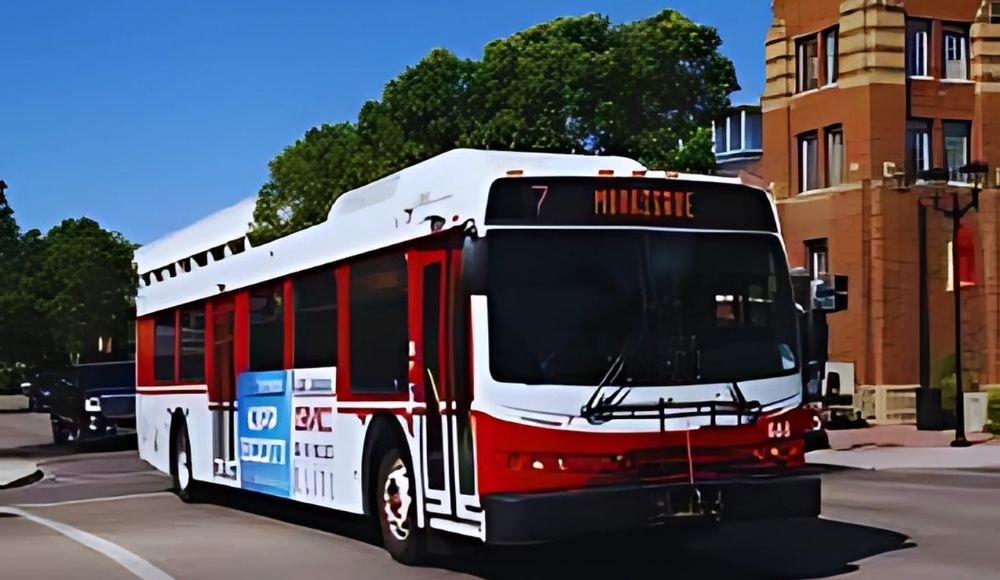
(198, 418)
(350, 432)
(316, 439)
(351, 427)
(154, 411)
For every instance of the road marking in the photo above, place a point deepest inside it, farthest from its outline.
(96, 499)
(126, 559)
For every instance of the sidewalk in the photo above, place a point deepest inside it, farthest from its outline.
(903, 447)
(898, 436)
(14, 472)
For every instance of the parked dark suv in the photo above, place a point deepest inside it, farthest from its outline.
(98, 401)
(39, 388)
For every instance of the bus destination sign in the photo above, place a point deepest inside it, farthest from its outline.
(610, 201)
(643, 203)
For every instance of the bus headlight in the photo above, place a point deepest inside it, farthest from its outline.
(92, 405)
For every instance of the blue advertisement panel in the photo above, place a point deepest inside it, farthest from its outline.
(265, 426)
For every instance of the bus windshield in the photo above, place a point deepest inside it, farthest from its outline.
(675, 308)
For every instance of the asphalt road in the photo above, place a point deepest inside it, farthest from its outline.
(102, 513)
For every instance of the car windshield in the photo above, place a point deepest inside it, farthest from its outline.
(678, 308)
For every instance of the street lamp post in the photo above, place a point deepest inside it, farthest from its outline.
(956, 212)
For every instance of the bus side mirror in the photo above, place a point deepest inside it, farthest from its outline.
(474, 265)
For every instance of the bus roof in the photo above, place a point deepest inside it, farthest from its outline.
(213, 255)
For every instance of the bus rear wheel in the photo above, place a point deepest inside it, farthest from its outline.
(180, 465)
(396, 510)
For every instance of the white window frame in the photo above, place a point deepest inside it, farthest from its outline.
(831, 133)
(954, 176)
(831, 58)
(921, 54)
(956, 49)
(729, 135)
(801, 66)
(923, 145)
(820, 257)
(804, 173)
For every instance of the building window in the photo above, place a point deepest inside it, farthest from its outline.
(834, 156)
(806, 64)
(994, 12)
(379, 330)
(808, 162)
(819, 258)
(831, 49)
(267, 328)
(754, 132)
(956, 53)
(719, 130)
(315, 305)
(918, 148)
(164, 346)
(917, 44)
(966, 259)
(193, 344)
(736, 131)
(956, 148)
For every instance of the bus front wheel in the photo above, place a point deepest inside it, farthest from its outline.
(396, 509)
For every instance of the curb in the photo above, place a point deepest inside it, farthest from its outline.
(23, 481)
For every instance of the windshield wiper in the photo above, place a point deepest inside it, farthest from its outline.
(596, 402)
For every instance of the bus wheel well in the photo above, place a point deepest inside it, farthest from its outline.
(384, 434)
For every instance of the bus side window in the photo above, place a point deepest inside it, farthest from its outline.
(379, 339)
(267, 330)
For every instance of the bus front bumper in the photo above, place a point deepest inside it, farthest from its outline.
(531, 518)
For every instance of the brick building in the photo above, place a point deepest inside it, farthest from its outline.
(861, 95)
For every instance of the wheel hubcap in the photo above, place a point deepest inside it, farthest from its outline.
(396, 499)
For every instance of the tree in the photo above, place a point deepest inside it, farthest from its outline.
(418, 117)
(11, 340)
(304, 177)
(84, 285)
(671, 81)
(647, 89)
(27, 332)
(538, 89)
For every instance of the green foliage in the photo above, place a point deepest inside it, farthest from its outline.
(993, 410)
(85, 279)
(61, 291)
(647, 89)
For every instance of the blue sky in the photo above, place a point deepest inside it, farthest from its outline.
(148, 115)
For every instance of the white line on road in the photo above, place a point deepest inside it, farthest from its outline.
(96, 499)
(131, 562)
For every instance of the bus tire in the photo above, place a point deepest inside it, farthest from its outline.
(181, 471)
(396, 508)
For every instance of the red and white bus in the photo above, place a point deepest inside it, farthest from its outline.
(513, 347)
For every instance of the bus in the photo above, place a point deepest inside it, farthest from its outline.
(513, 347)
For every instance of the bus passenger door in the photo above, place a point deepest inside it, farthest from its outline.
(222, 386)
(429, 341)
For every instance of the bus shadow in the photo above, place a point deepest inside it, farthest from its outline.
(791, 549)
(343, 524)
(787, 549)
(50, 450)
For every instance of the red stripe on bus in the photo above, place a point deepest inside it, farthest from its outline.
(171, 391)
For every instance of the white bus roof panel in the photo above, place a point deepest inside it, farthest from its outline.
(392, 210)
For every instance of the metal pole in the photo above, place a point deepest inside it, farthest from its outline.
(956, 217)
(925, 341)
